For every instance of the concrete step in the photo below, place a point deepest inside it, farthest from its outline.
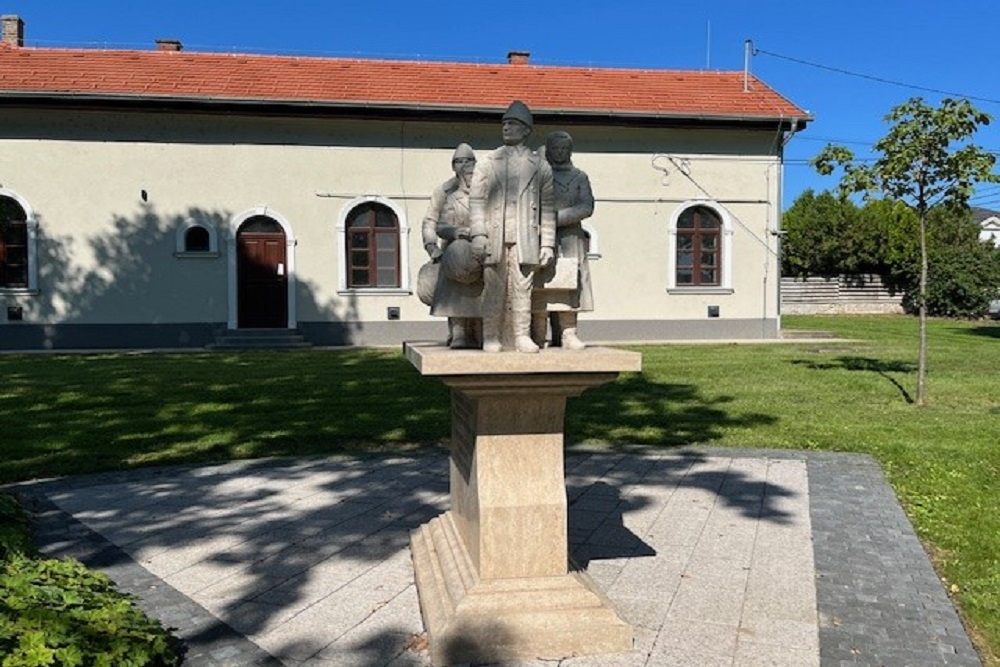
(797, 334)
(244, 339)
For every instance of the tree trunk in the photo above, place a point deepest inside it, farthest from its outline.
(922, 353)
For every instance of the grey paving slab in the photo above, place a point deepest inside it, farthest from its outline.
(717, 557)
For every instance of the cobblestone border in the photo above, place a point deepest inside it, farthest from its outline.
(880, 600)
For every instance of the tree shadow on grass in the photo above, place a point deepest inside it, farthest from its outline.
(986, 331)
(879, 367)
(127, 410)
(78, 414)
(637, 410)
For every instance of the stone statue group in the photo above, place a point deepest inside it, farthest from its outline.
(507, 248)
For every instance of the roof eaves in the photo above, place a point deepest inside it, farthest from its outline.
(581, 113)
(799, 121)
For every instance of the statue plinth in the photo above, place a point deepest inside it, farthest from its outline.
(493, 572)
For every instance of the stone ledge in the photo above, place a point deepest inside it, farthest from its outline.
(437, 359)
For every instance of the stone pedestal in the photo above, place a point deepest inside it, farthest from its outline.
(493, 572)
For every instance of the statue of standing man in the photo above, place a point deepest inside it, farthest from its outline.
(513, 230)
(574, 201)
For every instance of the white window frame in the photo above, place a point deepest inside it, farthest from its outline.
(989, 230)
(180, 238)
(32, 227)
(231, 248)
(404, 249)
(725, 285)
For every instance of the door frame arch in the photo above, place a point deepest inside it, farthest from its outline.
(231, 262)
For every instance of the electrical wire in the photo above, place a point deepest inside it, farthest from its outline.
(838, 141)
(877, 79)
(986, 203)
(987, 191)
(984, 196)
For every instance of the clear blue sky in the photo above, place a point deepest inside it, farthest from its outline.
(945, 46)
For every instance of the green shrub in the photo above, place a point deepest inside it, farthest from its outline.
(15, 533)
(961, 282)
(57, 613)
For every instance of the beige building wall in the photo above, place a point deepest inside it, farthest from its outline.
(110, 191)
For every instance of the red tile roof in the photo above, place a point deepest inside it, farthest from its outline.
(208, 77)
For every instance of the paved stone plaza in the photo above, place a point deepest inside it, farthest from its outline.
(717, 557)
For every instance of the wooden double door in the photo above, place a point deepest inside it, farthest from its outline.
(262, 274)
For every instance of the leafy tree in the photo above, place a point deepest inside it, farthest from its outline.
(963, 272)
(828, 234)
(924, 160)
(883, 227)
(815, 228)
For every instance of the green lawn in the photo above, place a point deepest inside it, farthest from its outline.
(69, 414)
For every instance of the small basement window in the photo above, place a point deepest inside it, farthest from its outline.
(195, 239)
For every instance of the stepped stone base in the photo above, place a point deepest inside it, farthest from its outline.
(469, 619)
(493, 572)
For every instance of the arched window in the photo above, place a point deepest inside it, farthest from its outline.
(372, 246)
(700, 256)
(13, 244)
(699, 248)
(18, 244)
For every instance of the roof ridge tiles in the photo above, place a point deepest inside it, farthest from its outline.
(190, 54)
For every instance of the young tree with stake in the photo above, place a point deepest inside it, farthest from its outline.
(925, 160)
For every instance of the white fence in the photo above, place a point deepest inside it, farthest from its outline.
(837, 294)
